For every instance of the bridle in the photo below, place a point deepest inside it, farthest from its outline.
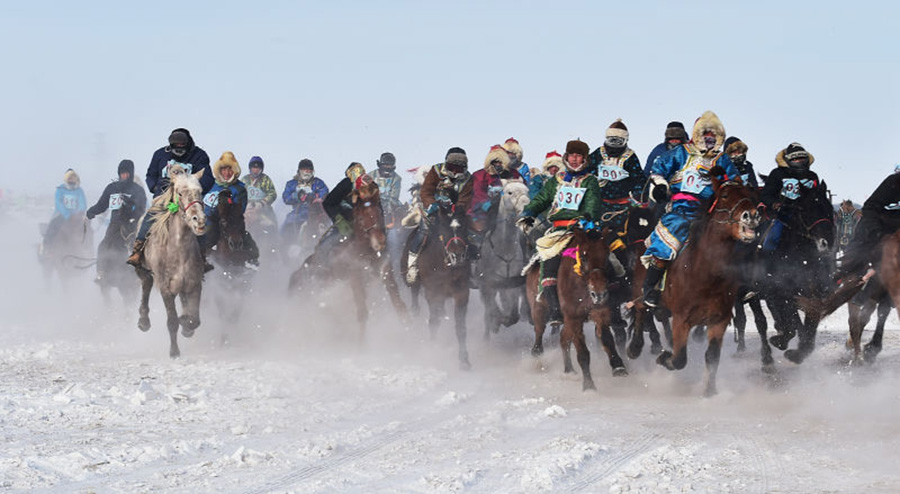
(730, 221)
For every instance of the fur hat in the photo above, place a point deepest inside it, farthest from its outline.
(70, 175)
(512, 146)
(553, 159)
(617, 129)
(257, 162)
(578, 147)
(387, 159)
(675, 130)
(305, 163)
(792, 151)
(708, 122)
(497, 153)
(227, 159)
(456, 155)
(735, 145)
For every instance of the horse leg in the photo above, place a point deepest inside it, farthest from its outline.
(144, 310)
(565, 343)
(807, 340)
(636, 345)
(525, 305)
(873, 347)
(190, 319)
(573, 332)
(787, 319)
(608, 342)
(362, 312)
(461, 304)
(491, 312)
(667, 328)
(414, 296)
(716, 334)
(390, 283)
(172, 324)
(677, 358)
(509, 306)
(740, 322)
(435, 314)
(857, 319)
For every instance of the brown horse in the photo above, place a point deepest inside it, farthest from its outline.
(233, 280)
(353, 260)
(581, 284)
(444, 274)
(172, 257)
(700, 286)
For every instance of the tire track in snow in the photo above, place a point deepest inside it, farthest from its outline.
(613, 462)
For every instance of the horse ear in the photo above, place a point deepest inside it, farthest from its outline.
(714, 174)
(199, 174)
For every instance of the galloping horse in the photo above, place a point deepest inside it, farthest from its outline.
(581, 284)
(234, 277)
(298, 246)
(172, 256)
(444, 273)
(801, 265)
(73, 243)
(503, 255)
(112, 249)
(354, 260)
(700, 285)
(640, 223)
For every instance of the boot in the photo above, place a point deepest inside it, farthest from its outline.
(554, 313)
(136, 258)
(412, 268)
(652, 293)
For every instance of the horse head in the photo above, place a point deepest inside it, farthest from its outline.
(231, 221)
(592, 259)
(734, 207)
(514, 199)
(187, 194)
(368, 218)
(817, 217)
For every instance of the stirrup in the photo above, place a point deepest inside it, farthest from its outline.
(652, 298)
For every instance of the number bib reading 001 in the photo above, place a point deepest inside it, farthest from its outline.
(569, 197)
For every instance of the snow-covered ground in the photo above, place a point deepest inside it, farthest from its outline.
(294, 402)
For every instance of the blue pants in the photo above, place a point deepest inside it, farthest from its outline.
(145, 228)
(671, 233)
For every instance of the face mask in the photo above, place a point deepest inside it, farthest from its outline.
(709, 142)
(738, 159)
(673, 143)
(306, 175)
(179, 152)
(615, 142)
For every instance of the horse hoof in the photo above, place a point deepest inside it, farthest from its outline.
(588, 385)
(742, 347)
(465, 365)
(870, 353)
(768, 368)
(665, 360)
(634, 352)
(698, 335)
(537, 351)
(655, 349)
(174, 354)
(710, 391)
(780, 341)
(144, 324)
(620, 372)
(187, 332)
(794, 356)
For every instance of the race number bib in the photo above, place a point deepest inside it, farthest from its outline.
(612, 173)
(255, 193)
(186, 167)
(211, 199)
(116, 201)
(790, 188)
(70, 202)
(745, 178)
(693, 182)
(569, 197)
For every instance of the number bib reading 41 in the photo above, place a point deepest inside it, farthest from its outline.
(569, 197)
(693, 182)
(612, 173)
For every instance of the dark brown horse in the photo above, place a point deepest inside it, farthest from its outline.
(233, 280)
(354, 261)
(581, 284)
(444, 274)
(700, 285)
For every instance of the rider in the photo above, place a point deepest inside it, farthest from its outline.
(737, 151)
(684, 171)
(127, 202)
(674, 136)
(620, 177)
(299, 192)
(446, 184)
(846, 218)
(261, 191)
(553, 162)
(183, 153)
(784, 188)
(388, 182)
(515, 159)
(339, 208)
(487, 190)
(574, 194)
(69, 202)
(880, 217)
(226, 171)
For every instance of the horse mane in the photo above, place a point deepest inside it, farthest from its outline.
(160, 213)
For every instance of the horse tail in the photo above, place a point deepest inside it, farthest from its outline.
(826, 306)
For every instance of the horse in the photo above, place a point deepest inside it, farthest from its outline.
(298, 245)
(112, 272)
(581, 284)
(444, 273)
(799, 266)
(503, 255)
(700, 285)
(172, 257)
(354, 260)
(234, 277)
(859, 315)
(71, 246)
(263, 225)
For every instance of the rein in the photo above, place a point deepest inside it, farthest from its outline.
(730, 220)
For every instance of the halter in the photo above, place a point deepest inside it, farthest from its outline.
(730, 220)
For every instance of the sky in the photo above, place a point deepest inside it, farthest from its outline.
(87, 84)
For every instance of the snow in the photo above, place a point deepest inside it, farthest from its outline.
(297, 402)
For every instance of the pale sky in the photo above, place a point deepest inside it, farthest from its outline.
(86, 84)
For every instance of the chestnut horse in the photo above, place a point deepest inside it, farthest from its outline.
(231, 255)
(172, 257)
(354, 260)
(444, 273)
(581, 284)
(700, 286)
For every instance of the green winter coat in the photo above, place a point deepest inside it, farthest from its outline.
(265, 189)
(547, 199)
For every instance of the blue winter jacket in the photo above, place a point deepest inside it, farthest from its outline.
(195, 159)
(657, 151)
(211, 199)
(299, 198)
(669, 166)
(69, 201)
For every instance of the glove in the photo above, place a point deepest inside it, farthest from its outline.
(432, 210)
(343, 226)
(486, 207)
(525, 223)
(660, 193)
(494, 191)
